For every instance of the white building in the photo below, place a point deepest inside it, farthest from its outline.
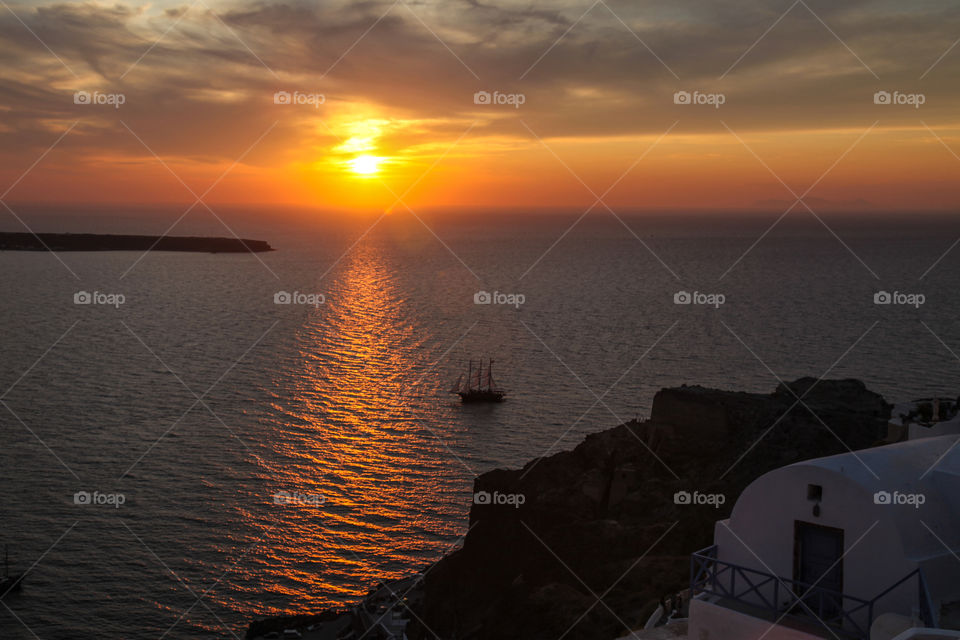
(826, 547)
(926, 418)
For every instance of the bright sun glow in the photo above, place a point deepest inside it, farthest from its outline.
(365, 165)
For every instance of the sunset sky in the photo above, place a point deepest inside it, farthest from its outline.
(399, 121)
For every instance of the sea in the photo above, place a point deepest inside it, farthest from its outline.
(190, 441)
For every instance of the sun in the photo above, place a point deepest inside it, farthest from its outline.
(366, 165)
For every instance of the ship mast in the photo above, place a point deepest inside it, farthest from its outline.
(480, 376)
(490, 376)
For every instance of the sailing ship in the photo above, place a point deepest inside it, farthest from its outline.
(9, 582)
(472, 388)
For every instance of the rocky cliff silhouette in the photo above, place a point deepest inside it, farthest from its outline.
(599, 537)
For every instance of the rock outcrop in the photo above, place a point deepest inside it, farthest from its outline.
(599, 533)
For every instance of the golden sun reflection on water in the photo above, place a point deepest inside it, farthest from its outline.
(354, 435)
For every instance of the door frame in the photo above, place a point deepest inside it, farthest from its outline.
(799, 525)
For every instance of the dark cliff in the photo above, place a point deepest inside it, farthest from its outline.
(601, 521)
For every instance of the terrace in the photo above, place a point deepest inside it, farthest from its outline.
(798, 605)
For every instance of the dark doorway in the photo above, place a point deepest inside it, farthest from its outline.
(817, 560)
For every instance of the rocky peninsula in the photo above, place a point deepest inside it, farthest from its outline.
(103, 242)
(605, 521)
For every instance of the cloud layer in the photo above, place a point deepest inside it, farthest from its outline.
(198, 79)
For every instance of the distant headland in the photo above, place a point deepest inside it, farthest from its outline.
(102, 242)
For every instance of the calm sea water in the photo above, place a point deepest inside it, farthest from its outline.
(198, 399)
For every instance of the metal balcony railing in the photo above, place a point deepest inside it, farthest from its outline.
(843, 614)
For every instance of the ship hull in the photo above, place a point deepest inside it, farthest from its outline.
(11, 583)
(480, 396)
